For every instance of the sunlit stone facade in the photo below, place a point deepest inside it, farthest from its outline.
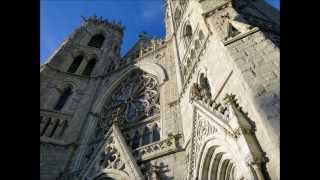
(201, 103)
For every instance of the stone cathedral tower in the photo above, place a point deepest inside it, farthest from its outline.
(200, 104)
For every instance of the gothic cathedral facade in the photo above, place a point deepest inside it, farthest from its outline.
(203, 103)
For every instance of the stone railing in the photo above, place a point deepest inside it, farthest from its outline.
(157, 149)
(155, 45)
(53, 124)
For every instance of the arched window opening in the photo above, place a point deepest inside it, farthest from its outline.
(187, 34)
(55, 127)
(188, 63)
(89, 68)
(192, 54)
(75, 64)
(146, 136)
(46, 126)
(63, 99)
(136, 140)
(155, 133)
(197, 44)
(96, 41)
(201, 35)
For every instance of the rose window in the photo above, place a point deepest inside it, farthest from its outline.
(136, 98)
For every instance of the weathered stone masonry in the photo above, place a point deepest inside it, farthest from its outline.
(202, 103)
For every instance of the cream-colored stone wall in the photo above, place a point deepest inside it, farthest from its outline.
(247, 66)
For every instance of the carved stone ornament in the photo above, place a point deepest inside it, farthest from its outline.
(110, 159)
(98, 20)
(203, 129)
(113, 155)
(136, 98)
(205, 89)
(201, 90)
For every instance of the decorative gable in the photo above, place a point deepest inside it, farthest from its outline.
(114, 159)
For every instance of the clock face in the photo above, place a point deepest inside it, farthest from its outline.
(135, 98)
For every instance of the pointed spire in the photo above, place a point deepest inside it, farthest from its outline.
(239, 118)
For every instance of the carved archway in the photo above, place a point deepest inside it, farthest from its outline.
(225, 148)
(220, 160)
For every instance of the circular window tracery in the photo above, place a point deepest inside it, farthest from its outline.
(134, 99)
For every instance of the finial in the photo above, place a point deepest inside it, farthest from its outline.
(84, 18)
(143, 34)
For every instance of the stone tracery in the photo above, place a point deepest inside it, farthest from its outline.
(111, 157)
(224, 150)
(137, 97)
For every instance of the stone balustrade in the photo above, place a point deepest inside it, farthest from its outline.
(217, 108)
(53, 124)
(155, 44)
(157, 149)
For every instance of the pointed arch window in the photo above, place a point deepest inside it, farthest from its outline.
(192, 54)
(136, 140)
(96, 41)
(75, 64)
(196, 44)
(63, 99)
(146, 136)
(187, 33)
(201, 36)
(89, 68)
(155, 133)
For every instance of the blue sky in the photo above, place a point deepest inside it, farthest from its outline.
(58, 18)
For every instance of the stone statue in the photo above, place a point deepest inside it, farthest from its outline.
(204, 87)
(195, 91)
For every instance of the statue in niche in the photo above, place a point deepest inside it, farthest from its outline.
(205, 90)
(195, 91)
